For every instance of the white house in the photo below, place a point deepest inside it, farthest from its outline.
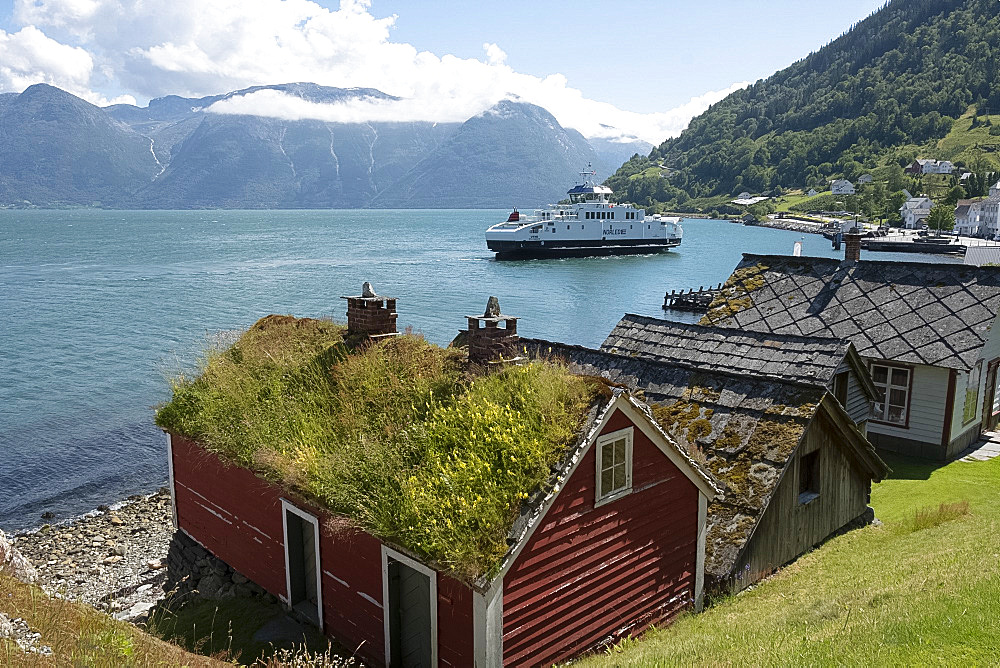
(925, 166)
(989, 213)
(967, 215)
(914, 212)
(812, 192)
(929, 333)
(865, 178)
(842, 187)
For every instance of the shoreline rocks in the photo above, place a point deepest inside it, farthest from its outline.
(111, 559)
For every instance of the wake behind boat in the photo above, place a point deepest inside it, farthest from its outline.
(590, 224)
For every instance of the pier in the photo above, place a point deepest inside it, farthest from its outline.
(691, 300)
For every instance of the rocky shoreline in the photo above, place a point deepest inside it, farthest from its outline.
(113, 559)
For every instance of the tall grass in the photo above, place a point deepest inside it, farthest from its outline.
(395, 435)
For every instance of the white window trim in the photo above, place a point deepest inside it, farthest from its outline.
(601, 442)
(387, 553)
(883, 418)
(286, 507)
(170, 477)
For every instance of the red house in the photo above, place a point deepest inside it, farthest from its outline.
(612, 543)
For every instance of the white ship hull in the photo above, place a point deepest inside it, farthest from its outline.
(590, 224)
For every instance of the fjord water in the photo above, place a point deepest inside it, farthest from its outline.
(99, 308)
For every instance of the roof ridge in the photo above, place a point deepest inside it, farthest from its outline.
(747, 332)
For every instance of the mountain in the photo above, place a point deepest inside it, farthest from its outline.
(511, 154)
(56, 149)
(880, 94)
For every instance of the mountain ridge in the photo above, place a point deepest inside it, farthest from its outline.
(174, 154)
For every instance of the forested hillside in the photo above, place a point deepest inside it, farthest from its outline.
(892, 84)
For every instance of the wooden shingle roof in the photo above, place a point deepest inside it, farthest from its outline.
(922, 313)
(747, 426)
(807, 359)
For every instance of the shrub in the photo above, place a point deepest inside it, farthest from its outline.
(926, 518)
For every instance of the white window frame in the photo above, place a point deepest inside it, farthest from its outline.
(389, 553)
(883, 417)
(600, 497)
(286, 507)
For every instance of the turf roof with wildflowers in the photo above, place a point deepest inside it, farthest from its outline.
(398, 436)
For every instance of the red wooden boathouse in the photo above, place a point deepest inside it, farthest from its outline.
(584, 567)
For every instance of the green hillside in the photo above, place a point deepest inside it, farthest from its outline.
(885, 92)
(922, 589)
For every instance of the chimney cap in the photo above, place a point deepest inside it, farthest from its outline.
(492, 312)
(367, 292)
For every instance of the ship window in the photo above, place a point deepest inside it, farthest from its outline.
(567, 227)
(612, 215)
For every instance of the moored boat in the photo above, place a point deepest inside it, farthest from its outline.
(588, 224)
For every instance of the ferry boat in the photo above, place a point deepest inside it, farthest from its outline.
(590, 224)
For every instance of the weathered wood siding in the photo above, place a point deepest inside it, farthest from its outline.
(788, 528)
(588, 573)
(928, 398)
(237, 517)
(858, 405)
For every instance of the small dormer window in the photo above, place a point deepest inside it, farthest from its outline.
(614, 465)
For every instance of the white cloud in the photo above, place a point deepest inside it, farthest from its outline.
(202, 47)
(28, 57)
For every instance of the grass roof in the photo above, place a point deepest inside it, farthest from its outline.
(398, 436)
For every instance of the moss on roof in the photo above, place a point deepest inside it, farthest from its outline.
(397, 436)
(735, 294)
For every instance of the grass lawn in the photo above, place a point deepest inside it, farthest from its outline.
(790, 199)
(915, 591)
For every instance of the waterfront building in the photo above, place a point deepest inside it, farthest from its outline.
(928, 333)
(915, 211)
(612, 542)
(778, 419)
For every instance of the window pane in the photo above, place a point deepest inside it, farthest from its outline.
(620, 452)
(878, 411)
(880, 374)
(900, 377)
(897, 397)
(607, 457)
(607, 481)
(879, 394)
(896, 414)
(620, 477)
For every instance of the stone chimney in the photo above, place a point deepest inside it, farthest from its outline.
(488, 342)
(852, 246)
(370, 314)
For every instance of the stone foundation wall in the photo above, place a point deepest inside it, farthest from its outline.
(192, 571)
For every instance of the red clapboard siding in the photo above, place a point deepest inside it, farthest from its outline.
(232, 512)
(588, 572)
(455, 630)
(237, 516)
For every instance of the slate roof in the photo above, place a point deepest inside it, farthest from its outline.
(916, 312)
(746, 425)
(797, 358)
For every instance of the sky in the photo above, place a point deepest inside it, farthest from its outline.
(619, 70)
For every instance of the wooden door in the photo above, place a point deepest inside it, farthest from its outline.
(410, 617)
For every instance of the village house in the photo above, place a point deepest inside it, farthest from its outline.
(927, 166)
(612, 540)
(842, 187)
(967, 214)
(865, 178)
(915, 211)
(988, 213)
(778, 419)
(812, 192)
(927, 332)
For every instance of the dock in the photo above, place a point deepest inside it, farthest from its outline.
(691, 300)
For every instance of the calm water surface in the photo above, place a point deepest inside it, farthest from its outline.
(98, 308)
